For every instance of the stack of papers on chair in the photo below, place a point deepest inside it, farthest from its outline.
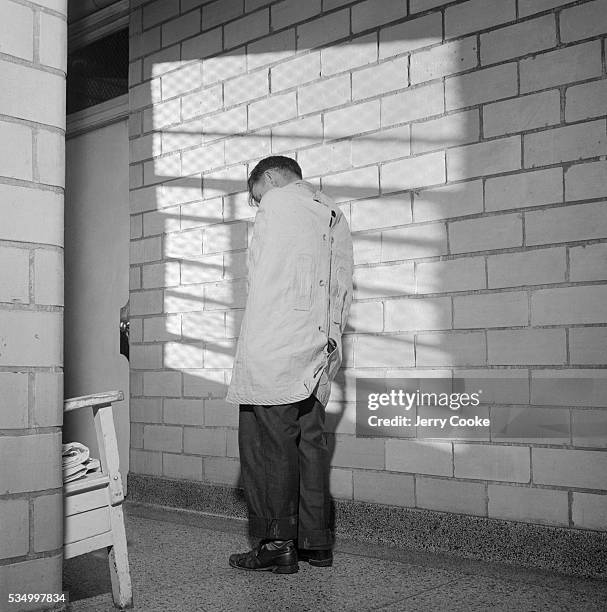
(77, 462)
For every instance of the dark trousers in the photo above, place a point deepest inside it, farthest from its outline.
(284, 462)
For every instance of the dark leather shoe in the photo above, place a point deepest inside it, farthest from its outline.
(268, 557)
(317, 558)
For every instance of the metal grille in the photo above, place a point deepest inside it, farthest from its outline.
(98, 72)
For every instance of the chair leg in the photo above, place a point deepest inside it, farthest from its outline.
(122, 592)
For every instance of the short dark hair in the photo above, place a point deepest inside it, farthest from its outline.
(274, 162)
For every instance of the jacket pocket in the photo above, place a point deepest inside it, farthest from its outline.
(303, 282)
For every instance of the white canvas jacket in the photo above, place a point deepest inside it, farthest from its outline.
(300, 291)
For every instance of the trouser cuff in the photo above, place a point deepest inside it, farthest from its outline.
(318, 539)
(284, 528)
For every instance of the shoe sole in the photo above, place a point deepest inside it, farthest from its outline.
(275, 569)
(326, 563)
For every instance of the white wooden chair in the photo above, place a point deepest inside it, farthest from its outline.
(93, 505)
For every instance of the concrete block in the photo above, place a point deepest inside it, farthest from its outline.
(48, 522)
(477, 15)
(448, 131)
(183, 412)
(145, 462)
(219, 12)
(31, 338)
(366, 317)
(219, 413)
(163, 438)
(536, 267)
(146, 302)
(180, 355)
(455, 200)
(25, 101)
(530, 505)
(208, 442)
(570, 468)
(352, 120)
(419, 457)
(158, 11)
(48, 277)
(384, 351)
(353, 184)
(288, 12)
(461, 274)
(358, 452)
(410, 35)
(418, 314)
(323, 30)
(414, 172)
(162, 384)
(202, 46)
(526, 347)
(480, 86)
(568, 223)
(518, 39)
(484, 158)
(585, 181)
(16, 156)
(568, 143)
(13, 400)
(14, 275)
(381, 212)
(589, 511)
(383, 281)
(589, 427)
(324, 94)
(416, 103)
(272, 110)
(522, 114)
(17, 30)
(444, 60)
(176, 30)
(426, 240)
(222, 470)
(167, 327)
(146, 357)
(14, 536)
(148, 410)
(340, 483)
(588, 262)
(271, 49)
(485, 233)
(202, 269)
(384, 145)
(384, 488)
(450, 349)
(297, 71)
(583, 21)
(492, 462)
(301, 133)
(30, 462)
(569, 305)
(246, 28)
(381, 78)
(503, 309)
(372, 13)
(530, 7)
(360, 51)
(182, 466)
(587, 345)
(568, 65)
(524, 189)
(585, 101)
(53, 41)
(223, 67)
(447, 495)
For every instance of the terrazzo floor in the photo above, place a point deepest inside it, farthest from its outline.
(178, 562)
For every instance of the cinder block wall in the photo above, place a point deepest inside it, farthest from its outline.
(32, 125)
(466, 142)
